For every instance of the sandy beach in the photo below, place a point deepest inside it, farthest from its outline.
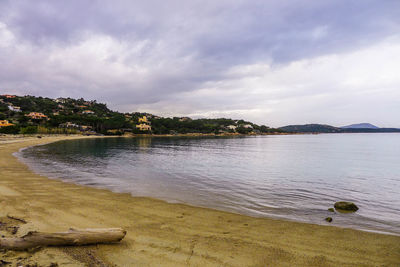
(165, 234)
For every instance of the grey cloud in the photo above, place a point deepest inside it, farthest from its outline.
(224, 32)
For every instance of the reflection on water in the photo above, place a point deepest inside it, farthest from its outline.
(294, 177)
(144, 143)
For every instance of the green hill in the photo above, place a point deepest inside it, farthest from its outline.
(311, 128)
(67, 115)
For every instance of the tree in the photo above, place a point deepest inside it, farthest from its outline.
(243, 130)
(29, 130)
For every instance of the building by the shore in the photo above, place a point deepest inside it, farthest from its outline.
(143, 127)
(144, 124)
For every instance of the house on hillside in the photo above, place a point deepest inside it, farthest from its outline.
(61, 100)
(143, 119)
(5, 123)
(37, 116)
(144, 124)
(185, 119)
(9, 96)
(143, 127)
(87, 112)
(248, 126)
(69, 125)
(231, 127)
(14, 108)
(86, 128)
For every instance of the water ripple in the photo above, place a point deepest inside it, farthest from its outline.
(292, 177)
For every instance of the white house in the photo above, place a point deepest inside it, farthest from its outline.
(61, 100)
(14, 108)
(248, 126)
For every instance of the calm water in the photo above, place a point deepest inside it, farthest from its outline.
(296, 177)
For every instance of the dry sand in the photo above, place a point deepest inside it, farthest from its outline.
(164, 234)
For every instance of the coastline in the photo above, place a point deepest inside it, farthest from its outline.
(161, 233)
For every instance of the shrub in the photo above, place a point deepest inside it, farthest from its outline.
(29, 130)
(9, 130)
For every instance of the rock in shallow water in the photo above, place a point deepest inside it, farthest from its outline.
(331, 210)
(346, 206)
(328, 219)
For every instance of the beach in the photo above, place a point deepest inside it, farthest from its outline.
(166, 234)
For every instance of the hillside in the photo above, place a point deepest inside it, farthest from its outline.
(360, 126)
(369, 130)
(311, 128)
(30, 114)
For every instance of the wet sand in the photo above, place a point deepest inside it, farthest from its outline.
(164, 234)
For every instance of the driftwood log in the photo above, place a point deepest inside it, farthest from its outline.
(74, 237)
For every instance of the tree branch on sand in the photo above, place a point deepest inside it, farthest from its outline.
(73, 237)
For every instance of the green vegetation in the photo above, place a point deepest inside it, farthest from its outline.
(10, 130)
(216, 126)
(29, 130)
(68, 116)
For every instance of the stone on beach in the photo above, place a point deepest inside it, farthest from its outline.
(346, 206)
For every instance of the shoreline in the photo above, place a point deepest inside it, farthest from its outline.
(167, 233)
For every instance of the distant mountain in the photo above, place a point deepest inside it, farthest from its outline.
(322, 128)
(311, 128)
(360, 126)
(370, 130)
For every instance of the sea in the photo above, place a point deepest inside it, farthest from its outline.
(292, 177)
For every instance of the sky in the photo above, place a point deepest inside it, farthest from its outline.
(276, 63)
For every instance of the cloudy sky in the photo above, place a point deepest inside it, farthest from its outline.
(271, 62)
